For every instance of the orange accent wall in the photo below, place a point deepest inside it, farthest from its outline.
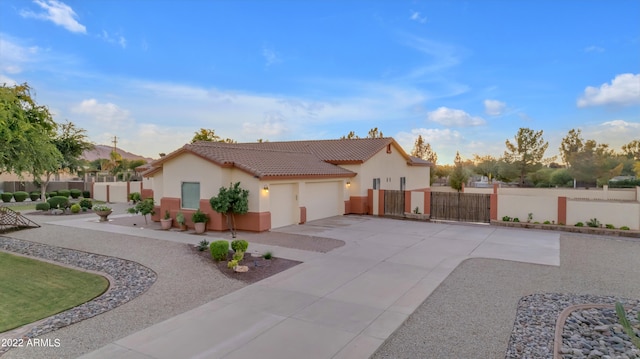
(303, 215)
(407, 202)
(168, 204)
(562, 210)
(427, 201)
(369, 201)
(254, 221)
(495, 188)
(108, 187)
(359, 204)
(147, 193)
(381, 202)
(493, 206)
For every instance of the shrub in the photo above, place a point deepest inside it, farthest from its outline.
(101, 208)
(85, 203)
(506, 219)
(75, 193)
(64, 193)
(43, 206)
(610, 226)
(239, 245)
(199, 217)
(75, 208)
(579, 224)
(232, 264)
(34, 196)
(515, 219)
(20, 196)
(593, 222)
(144, 208)
(267, 255)
(51, 194)
(135, 197)
(536, 222)
(219, 250)
(60, 202)
(624, 228)
(6, 196)
(204, 244)
(546, 222)
(86, 194)
(238, 256)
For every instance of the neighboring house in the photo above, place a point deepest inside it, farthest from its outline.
(288, 182)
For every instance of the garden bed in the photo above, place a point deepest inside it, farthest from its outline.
(572, 229)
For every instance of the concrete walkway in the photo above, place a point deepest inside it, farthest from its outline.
(342, 304)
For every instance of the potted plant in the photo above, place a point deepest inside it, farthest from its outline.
(166, 222)
(181, 221)
(103, 211)
(199, 220)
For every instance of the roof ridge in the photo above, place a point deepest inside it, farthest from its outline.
(236, 147)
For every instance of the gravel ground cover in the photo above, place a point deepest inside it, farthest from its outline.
(183, 282)
(472, 313)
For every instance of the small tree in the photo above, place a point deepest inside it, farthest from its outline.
(459, 175)
(231, 201)
(144, 208)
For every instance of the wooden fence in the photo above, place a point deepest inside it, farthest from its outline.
(467, 207)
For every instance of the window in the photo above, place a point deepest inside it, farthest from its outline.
(376, 183)
(191, 195)
(403, 183)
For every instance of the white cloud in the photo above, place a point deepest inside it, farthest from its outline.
(271, 56)
(442, 56)
(115, 39)
(4, 80)
(272, 126)
(593, 48)
(14, 56)
(454, 118)
(103, 114)
(494, 107)
(623, 90)
(57, 12)
(416, 16)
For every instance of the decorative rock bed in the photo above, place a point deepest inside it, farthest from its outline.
(127, 280)
(591, 328)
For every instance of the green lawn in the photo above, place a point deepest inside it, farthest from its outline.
(31, 290)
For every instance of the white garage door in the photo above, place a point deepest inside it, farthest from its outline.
(283, 203)
(324, 199)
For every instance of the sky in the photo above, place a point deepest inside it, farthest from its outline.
(466, 75)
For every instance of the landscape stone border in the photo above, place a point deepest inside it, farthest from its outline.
(534, 333)
(128, 280)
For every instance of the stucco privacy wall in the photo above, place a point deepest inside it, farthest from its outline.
(417, 200)
(543, 208)
(115, 192)
(596, 193)
(617, 213)
(100, 191)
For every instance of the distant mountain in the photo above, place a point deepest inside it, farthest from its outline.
(104, 151)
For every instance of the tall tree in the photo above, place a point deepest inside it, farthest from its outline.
(26, 130)
(375, 133)
(459, 176)
(209, 135)
(485, 166)
(351, 135)
(526, 151)
(571, 144)
(422, 149)
(632, 150)
(595, 163)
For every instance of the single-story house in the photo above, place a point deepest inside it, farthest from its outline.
(289, 182)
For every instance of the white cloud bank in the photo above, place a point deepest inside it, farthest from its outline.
(494, 107)
(454, 118)
(624, 90)
(416, 16)
(57, 12)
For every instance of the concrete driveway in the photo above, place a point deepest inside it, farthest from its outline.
(342, 304)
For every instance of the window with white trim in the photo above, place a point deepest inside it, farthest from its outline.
(191, 195)
(376, 183)
(403, 183)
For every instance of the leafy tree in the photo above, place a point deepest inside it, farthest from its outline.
(210, 136)
(133, 164)
(442, 171)
(507, 172)
(526, 151)
(144, 207)
(541, 177)
(561, 178)
(459, 175)
(26, 130)
(375, 133)
(231, 201)
(485, 166)
(351, 135)
(571, 143)
(632, 150)
(422, 149)
(595, 163)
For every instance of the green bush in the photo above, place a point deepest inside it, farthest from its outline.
(20, 196)
(239, 245)
(593, 222)
(86, 194)
(515, 219)
(238, 256)
(64, 193)
(546, 222)
(219, 250)
(6, 196)
(75, 193)
(85, 203)
(135, 197)
(199, 217)
(43, 206)
(506, 219)
(34, 196)
(58, 202)
(610, 226)
(267, 255)
(579, 224)
(624, 228)
(232, 264)
(75, 208)
(203, 245)
(51, 194)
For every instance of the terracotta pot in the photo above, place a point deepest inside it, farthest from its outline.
(183, 227)
(200, 227)
(166, 223)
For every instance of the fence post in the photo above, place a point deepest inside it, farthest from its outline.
(427, 202)
(381, 202)
(562, 210)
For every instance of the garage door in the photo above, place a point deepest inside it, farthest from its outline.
(284, 208)
(323, 199)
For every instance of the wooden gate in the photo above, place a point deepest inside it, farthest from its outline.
(393, 203)
(467, 207)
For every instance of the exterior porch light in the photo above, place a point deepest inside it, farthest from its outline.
(266, 188)
(348, 183)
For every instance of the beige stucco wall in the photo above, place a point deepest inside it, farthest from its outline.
(543, 208)
(417, 200)
(100, 192)
(596, 193)
(616, 213)
(117, 192)
(191, 168)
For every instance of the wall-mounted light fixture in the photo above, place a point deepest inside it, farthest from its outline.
(348, 183)
(266, 188)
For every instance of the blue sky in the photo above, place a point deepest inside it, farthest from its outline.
(464, 74)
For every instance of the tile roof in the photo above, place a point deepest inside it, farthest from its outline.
(316, 158)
